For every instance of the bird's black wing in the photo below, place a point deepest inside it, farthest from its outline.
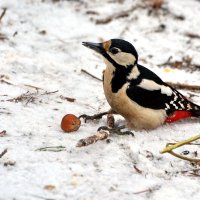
(155, 99)
(148, 98)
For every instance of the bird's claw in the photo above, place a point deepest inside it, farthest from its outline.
(92, 117)
(116, 130)
(89, 117)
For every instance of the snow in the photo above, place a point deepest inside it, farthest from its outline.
(52, 60)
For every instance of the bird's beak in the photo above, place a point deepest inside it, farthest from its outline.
(98, 47)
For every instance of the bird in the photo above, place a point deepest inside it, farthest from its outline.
(137, 93)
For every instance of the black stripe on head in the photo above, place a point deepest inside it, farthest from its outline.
(124, 46)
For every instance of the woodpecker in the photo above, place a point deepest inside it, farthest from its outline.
(137, 93)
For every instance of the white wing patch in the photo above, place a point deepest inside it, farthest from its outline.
(134, 73)
(167, 106)
(151, 85)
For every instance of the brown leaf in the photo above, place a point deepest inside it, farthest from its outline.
(49, 187)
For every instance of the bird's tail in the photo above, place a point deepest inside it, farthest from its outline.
(196, 113)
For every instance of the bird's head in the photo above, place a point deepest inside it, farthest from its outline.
(118, 52)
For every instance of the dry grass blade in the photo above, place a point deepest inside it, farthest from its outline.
(52, 148)
(30, 97)
(149, 190)
(3, 13)
(86, 72)
(3, 153)
(137, 170)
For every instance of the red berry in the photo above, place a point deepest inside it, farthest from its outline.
(70, 123)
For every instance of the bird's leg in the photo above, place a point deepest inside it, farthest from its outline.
(116, 130)
(96, 116)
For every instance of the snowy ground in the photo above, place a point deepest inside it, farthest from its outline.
(43, 49)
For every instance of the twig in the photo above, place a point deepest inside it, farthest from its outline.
(143, 191)
(35, 87)
(179, 144)
(184, 86)
(6, 82)
(183, 157)
(118, 15)
(176, 85)
(29, 97)
(190, 170)
(100, 135)
(186, 63)
(171, 143)
(192, 35)
(194, 175)
(47, 93)
(86, 72)
(150, 190)
(3, 153)
(137, 170)
(3, 13)
(169, 148)
(52, 148)
(68, 98)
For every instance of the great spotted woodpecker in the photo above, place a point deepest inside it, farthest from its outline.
(135, 92)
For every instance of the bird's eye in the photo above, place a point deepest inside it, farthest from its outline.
(114, 50)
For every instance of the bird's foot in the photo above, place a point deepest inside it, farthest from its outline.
(93, 117)
(116, 130)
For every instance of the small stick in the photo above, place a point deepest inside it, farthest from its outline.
(143, 191)
(46, 93)
(169, 148)
(35, 87)
(52, 148)
(70, 99)
(86, 72)
(3, 13)
(192, 35)
(176, 85)
(179, 144)
(100, 135)
(193, 174)
(184, 86)
(6, 82)
(191, 170)
(183, 157)
(157, 187)
(137, 170)
(3, 153)
(121, 14)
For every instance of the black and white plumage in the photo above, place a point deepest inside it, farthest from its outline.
(135, 92)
